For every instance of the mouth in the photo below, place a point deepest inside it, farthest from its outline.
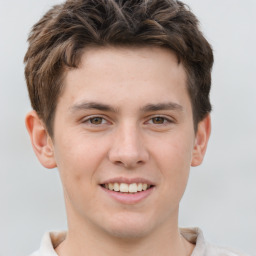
(127, 188)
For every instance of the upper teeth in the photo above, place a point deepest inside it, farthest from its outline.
(124, 187)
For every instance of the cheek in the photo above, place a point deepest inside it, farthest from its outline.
(174, 153)
(77, 161)
(79, 155)
(173, 159)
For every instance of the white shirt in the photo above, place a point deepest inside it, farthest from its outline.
(194, 235)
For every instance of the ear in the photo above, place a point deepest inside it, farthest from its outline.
(40, 139)
(201, 141)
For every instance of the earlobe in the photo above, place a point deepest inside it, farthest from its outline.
(201, 141)
(40, 140)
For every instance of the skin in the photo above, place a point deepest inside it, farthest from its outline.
(128, 139)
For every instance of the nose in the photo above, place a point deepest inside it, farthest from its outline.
(128, 149)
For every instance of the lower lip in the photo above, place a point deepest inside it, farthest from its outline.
(129, 198)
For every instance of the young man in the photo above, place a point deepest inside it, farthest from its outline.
(120, 97)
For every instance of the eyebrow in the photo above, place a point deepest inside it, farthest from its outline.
(108, 108)
(162, 106)
(92, 105)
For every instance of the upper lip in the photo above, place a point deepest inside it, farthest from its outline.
(128, 180)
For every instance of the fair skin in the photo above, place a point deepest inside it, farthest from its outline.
(124, 117)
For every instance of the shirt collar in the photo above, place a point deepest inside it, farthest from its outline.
(51, 240)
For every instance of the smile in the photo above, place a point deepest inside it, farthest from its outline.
(127, 188)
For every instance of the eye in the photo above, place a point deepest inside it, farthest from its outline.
(96, 120)
(160, 120)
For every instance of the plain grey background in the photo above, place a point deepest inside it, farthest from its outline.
(221, 195)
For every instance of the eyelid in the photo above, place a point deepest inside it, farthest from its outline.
(169, 119)
(87, 119)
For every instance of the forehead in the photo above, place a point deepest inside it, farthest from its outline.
(116, 59)
(121, 74)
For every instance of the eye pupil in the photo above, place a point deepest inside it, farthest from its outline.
(158, 120)
(96, 120)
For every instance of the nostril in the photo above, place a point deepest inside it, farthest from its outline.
(128, 164)
(119, 163)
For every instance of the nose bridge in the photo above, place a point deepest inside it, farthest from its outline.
(128, 148)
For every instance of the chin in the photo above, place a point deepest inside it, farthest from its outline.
(129, 227)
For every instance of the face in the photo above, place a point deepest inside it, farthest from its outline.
(124, 140)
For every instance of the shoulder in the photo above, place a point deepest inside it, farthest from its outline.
(49, 241)
(37, 253)
(203, 248)
(213, 250)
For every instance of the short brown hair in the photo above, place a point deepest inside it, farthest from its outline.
(57, 41)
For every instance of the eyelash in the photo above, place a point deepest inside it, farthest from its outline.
(165, 120)
(90, 118)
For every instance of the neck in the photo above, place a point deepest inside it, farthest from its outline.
(87, 239)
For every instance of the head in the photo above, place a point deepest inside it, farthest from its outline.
(120, 91)
(58, 40)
